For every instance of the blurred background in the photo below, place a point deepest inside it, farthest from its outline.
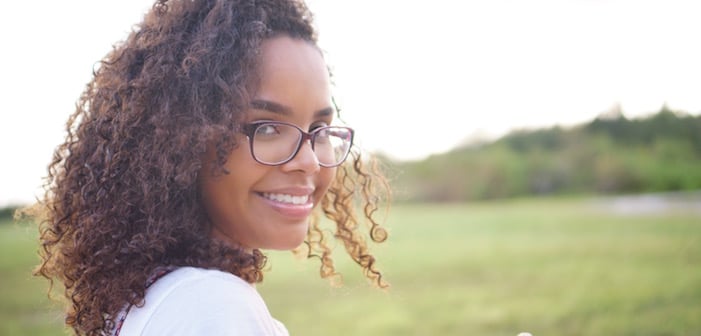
(545, 158)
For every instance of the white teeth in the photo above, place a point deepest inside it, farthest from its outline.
(284, 198)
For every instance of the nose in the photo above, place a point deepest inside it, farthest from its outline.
(305, 160)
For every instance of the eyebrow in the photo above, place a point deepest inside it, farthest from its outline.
(270, 106)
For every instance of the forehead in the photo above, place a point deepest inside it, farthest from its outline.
(293, 62)
(284, 50)
(293, 75)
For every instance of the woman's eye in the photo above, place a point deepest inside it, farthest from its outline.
(267, 130)
(317, 126)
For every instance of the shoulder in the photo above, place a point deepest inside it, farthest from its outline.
(204, 286)
(193, 301)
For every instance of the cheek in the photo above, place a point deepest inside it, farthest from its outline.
(220, 191)
(326, 178)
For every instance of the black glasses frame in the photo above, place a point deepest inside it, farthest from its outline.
(250, 130)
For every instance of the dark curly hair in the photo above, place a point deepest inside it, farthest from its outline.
(122, 196)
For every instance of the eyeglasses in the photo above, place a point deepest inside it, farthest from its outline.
(274, 142)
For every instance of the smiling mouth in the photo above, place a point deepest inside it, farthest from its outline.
(286, 198)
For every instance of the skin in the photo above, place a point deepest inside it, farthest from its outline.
(294, 88)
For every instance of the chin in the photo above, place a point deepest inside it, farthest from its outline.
(290, 240)
(287, 245)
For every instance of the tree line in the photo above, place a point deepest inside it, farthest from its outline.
(611, 154)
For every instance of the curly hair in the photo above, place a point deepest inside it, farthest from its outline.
(122, 197)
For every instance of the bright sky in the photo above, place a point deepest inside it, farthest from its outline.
(413, 77)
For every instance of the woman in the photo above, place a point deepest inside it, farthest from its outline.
(205, 137)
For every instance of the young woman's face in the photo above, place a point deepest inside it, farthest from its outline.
(268, 207)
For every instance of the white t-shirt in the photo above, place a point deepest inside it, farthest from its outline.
(195, 301)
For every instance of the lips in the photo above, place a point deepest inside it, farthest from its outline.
(295, 203)
(286, 198)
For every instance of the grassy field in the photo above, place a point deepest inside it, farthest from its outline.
(548, 267)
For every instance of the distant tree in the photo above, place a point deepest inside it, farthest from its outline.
(611, 154)
(7, 213)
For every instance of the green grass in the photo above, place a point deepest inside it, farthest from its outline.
(24, 306)
(549, 267)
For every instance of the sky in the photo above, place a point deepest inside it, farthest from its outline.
(414, 78)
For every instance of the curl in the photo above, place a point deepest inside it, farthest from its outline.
(355, 186)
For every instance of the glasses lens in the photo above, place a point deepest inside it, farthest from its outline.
(332, 144)
(275, 143)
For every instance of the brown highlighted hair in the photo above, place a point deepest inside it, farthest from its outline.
(121, 193)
